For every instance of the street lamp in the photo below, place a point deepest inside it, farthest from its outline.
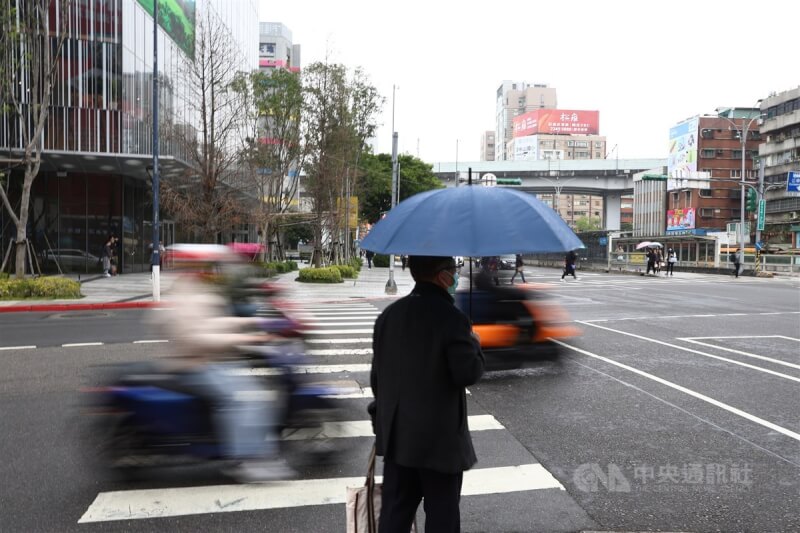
(743, 139)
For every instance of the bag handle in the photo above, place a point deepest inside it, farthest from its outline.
(372, 522)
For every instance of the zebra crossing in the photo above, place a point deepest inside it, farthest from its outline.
(340, 346)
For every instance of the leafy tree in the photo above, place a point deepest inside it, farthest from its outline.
(338, 117)
(273, 150)
(295, 231)
(587, 224)
(375, 192)
(32, 35)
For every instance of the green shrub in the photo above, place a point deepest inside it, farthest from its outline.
(320, 275)
(380, 260)
(356, 263)
(39, 288)
(346, 271)
(3, 276)
(292, 265)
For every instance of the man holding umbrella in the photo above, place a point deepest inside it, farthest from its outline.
(424, 355)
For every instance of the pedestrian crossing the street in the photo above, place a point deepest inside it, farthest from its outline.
(340, 352)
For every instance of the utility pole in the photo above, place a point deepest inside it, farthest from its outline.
(391, 286)
(156, 260)
(761, 215)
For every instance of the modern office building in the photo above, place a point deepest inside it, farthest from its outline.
(515, 98)
(487, 146)
(779, 153)
(94, 178)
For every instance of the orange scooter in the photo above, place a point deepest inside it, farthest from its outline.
(516, 325)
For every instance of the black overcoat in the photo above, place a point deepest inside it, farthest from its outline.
(424, 356)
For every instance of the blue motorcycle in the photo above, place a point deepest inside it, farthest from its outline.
(145, 418)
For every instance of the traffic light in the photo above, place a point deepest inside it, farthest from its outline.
(751, 204)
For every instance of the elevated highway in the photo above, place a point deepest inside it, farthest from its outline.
(609, 178)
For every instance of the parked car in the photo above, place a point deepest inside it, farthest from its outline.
(69, 259)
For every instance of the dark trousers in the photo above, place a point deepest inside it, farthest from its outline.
(736, 269)
(670, 268)
(569, 269)
(520, 272)
(404, 487)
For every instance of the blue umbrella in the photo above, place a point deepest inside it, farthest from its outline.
(472, 221)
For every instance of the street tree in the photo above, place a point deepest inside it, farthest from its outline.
(339, 115)
(273, 150)
(204, 198)
(375, 190)
(32, 36)
(588, 224)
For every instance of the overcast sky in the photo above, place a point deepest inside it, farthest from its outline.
(645, 65)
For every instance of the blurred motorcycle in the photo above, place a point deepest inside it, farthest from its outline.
(516, 325)
(144, 418)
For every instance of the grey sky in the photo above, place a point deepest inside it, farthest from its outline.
(645, 65)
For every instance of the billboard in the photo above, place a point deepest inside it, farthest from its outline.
(526, 148)
(682, 159)
(680, 219)
(177, 19)
(559, 121)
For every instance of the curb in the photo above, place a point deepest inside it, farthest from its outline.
(34, 308)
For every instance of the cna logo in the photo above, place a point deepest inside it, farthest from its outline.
(590, 477)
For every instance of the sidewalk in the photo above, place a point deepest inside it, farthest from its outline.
(130, 291)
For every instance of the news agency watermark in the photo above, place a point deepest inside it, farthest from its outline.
(710, 477)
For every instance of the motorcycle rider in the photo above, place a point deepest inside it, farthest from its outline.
(204, 340)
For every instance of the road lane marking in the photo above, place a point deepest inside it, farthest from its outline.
(338, 332)
(354, 351)
(747, 354)
(749, 337)
(29, 347)
(703, 397)
(81, 344)
(683, 348)
(685, 411)
(341, 313)
(661, 317)
(304, 369)
(331, 318)
(363, 428)
(367, 340)
(160, 503)
(338, 324)
(150, 341)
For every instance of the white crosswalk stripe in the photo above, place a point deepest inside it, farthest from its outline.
(350, 384)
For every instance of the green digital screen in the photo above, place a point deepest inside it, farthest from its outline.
(177, 19)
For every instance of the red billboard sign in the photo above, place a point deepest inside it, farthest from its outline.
(560, 121)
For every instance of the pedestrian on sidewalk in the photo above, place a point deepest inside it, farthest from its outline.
(106, 256)
(370, 254)
(737, 261)
(672, 258)
(569, 265)
(403, 261)
(651, 261)
(424, 355)
(519, 266)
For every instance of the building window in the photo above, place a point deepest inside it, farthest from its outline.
(707, 134)
(597, 155)
(707, 152)
(708, 212)
(737, 154)
(705, 193)
(598, 144)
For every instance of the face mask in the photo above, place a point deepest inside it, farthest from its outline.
(453, 286)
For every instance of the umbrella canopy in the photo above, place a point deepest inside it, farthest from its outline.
(649, 244)
(471, 221)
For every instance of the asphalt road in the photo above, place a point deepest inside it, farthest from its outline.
(676, 410)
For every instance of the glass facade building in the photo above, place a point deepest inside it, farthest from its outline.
(94, 177)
